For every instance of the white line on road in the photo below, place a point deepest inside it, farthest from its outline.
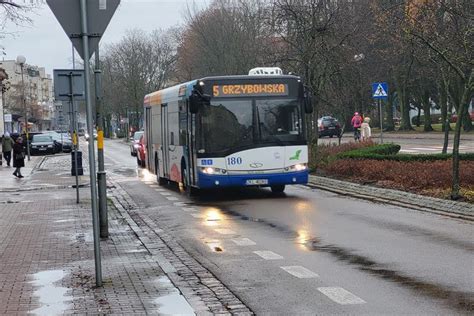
(244, 242)
(300, 272)
(154, 186)
(165, 193)
(189, 209)
(268, 255)
(197, 215)
(160, 190)
(225, 231)
(340, 295)
(149, 182)
(179, 203)
(171, 198)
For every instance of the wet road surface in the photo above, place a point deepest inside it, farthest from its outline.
(310, 251)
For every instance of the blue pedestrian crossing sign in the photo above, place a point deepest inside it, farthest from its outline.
(379, 90)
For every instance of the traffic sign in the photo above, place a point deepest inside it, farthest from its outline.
(99, 13)
(62, 89)
(379, 90)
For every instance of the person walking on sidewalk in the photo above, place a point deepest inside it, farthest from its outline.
(7, 146)
(356, 122)
(366, 130)
(18, 157)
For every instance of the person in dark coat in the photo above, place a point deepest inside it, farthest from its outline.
(18, 157)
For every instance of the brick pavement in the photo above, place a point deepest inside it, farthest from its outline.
(46, 258)
(395, 197)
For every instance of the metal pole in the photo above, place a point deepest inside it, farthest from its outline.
(381, 121)
(74, 134)
(90, 128)
(26, 113)
(101, 175)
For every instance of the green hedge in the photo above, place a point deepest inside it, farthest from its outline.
(382, 150)
(408, 157)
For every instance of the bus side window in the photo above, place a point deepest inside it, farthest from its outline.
(172, 139)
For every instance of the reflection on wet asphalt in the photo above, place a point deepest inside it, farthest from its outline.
(236, 203)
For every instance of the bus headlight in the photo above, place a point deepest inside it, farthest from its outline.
(210, 170)
(297, 167)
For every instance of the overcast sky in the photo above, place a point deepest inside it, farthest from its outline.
(45, 44)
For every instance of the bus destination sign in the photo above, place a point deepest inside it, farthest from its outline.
(250, 90)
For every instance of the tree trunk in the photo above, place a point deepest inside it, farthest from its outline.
(427, 111)
(457, 136)
(418, 118)
(389, 124)
(466, 121)
(405, 124)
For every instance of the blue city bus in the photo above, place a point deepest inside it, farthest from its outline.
(228, 131)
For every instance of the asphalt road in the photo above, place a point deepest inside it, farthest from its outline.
(415, 143)
(313, 252)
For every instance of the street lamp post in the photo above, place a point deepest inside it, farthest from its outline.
(3, 76)
(21, 60)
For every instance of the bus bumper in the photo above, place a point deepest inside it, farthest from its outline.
(207, 181)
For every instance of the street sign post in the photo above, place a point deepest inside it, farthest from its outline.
(84, 22)
(69, 86)
(380, 92)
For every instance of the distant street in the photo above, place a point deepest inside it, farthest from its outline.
(416, 143)
(312, 251)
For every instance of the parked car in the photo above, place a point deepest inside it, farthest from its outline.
(141, 152)
(87, 136)
(328, 126)
(61, 142)
(454, 117)
(42, 144)
(135, 140)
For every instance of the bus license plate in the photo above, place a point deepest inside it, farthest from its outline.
(257, 182)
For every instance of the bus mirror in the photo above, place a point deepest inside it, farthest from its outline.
(194, 103)
(308, 106)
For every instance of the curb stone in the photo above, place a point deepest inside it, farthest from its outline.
(456, 209)
(204, 292)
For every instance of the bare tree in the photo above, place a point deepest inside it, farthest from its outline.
(15, 12)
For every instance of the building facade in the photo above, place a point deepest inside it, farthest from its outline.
(37, 88)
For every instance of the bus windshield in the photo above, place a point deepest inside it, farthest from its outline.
(231, 124)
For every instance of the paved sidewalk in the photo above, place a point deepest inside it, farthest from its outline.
(400, 198)
(46, 256)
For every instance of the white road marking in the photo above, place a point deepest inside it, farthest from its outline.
(225, 231)
(300, 272)
(153, 186)
(179, 203)
(268, 255)
(160, 190)
(340, 295)
(165, 193)
(171, 198)
(197, 215)
(244, 242)
(149, 182)
(189, 209)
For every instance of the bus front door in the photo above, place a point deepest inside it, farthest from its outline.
(165, 149)
(150, 162)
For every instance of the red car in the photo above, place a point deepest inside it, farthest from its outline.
(141, 152)
(454, 117)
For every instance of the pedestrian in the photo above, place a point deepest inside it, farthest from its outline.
(7, 146)
(18, 157)
(365, 128)
(356, 123)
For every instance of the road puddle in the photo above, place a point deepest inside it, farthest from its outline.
(53, 298)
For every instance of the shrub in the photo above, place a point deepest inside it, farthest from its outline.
(412, 176)
(406, 157)
(324, 153)
(376, 150)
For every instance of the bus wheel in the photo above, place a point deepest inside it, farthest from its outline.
(278, 188)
